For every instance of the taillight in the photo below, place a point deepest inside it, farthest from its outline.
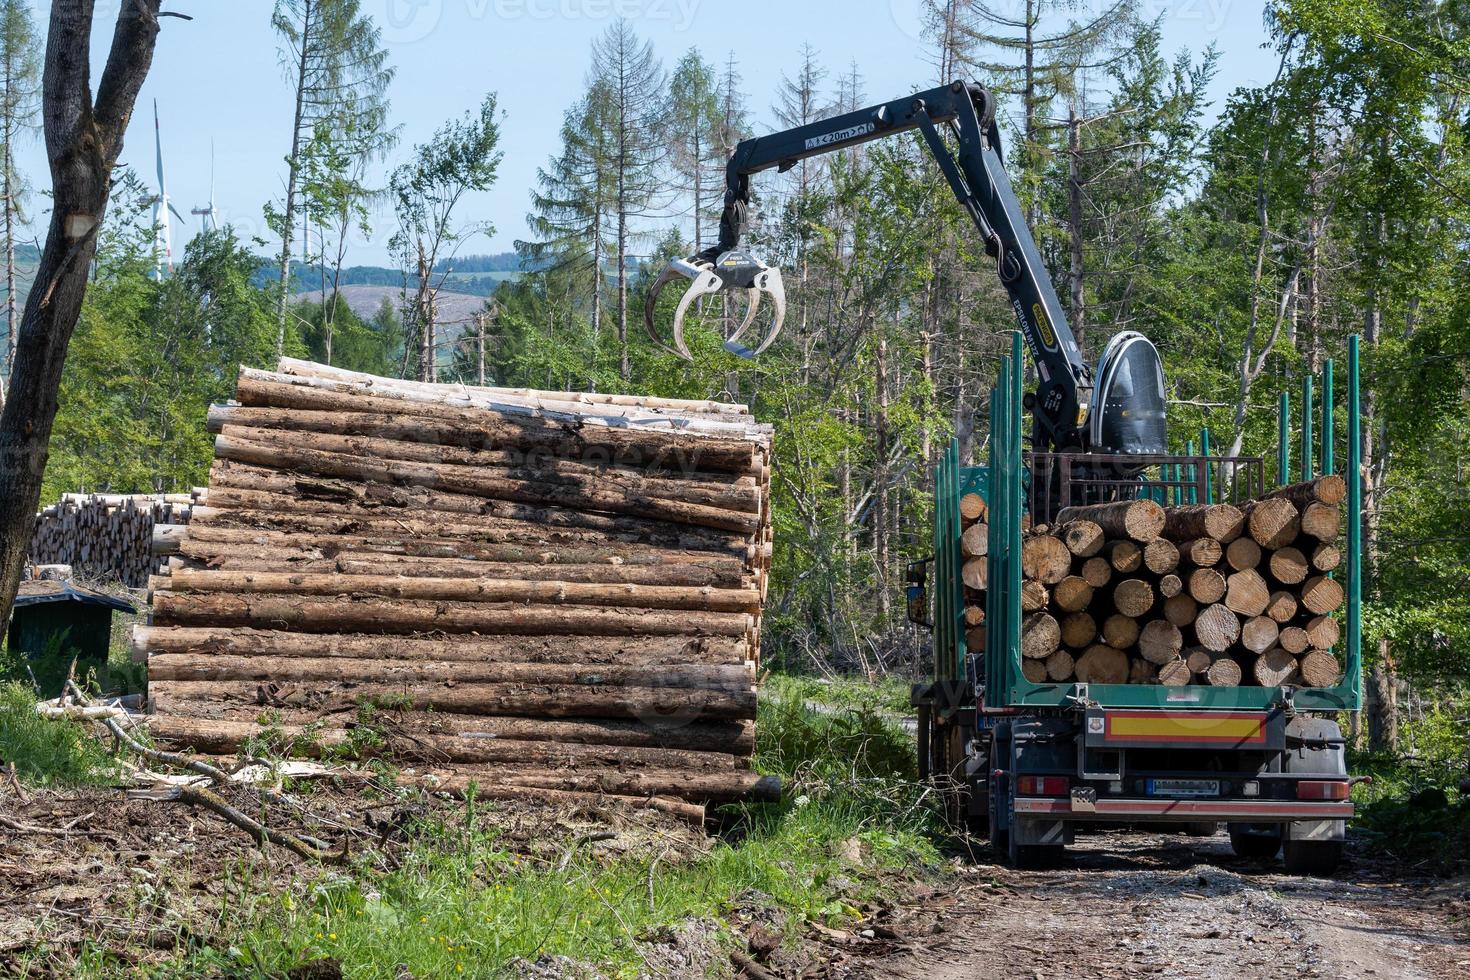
(1043, 785)
(1313, 789)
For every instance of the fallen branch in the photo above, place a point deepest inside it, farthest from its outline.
(214, 803)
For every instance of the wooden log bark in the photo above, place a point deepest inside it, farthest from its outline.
(1097, 572)
(1040, 636)
(975, 615)
(1321, 521)
(224, 737)
(1072, 594)
(1119, 631)
(1201, 553)
(972, 507)
(1133, 597)
(1101, 664)
(1034, 670)
(1247, 593)
(1059, 666)
(1282, 606)
(1136, 520)
(515, 486)
(1045, 559)
(975, 541)
(1293, 640)
(1288, 566)
(1034, 596)
(1216, 628)
(1142, 672)
(1160, 641)
(712, 787)
(530, 700)
(191, 667)
(1328, 489)
(1198, 659)
(975, 639)
(1124, 556)
(394, 616)
(1170, 586)
(1206, 585)
(466, 590)
(1223, 672)
(1160, 556)
(1078, 630)
(1259, 634)
(1273, 522)
(1326, 557)
(1219, 522)
(1175, 673)
(1083, 538)
(975, 573)
(1321, 595)
(1323, 632)
(1242, 553)
(1319, 668)
(1274, 668)
(633, 651)
(1181, 609)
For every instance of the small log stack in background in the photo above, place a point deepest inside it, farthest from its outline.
(539, 590)
(1217, 594)
(108, 537)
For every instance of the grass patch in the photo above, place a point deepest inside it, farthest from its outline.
(886, 695)
(46, 751)
(1413, 811)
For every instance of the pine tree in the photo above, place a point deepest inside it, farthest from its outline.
(20, 103)
(574, 198)
(625, 67)
(695, 121)
(339, 74)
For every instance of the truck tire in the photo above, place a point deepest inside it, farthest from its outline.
(1316, 858)
(1201, 828)
(1250, 842)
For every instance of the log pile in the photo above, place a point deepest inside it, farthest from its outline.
(526, 590)
(1216, 594)
(108, 537)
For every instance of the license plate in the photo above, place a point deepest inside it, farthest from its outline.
(1183, 787)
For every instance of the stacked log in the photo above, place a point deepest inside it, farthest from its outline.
(552, 590)
(108, 537)
(1216, 594)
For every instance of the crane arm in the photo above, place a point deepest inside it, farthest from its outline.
(973, 166)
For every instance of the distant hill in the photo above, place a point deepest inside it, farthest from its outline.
(456, 310)
(474, 275)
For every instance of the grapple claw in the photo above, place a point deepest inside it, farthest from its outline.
(735, 269)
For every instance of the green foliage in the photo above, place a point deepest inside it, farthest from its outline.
(45, 751)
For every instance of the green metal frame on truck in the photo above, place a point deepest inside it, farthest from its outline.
(1003, 483)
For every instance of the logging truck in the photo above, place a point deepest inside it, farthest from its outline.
(1149, 638)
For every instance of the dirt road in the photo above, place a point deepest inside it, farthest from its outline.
(1131, 905)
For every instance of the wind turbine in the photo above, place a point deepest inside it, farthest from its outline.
(209, 215)
(163, 246)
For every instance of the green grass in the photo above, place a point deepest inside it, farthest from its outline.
(46, 751)
(888, 695)
(464, 903)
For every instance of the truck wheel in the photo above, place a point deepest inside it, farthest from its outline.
(1248, 842)
(1318, 858)
(1201, 828)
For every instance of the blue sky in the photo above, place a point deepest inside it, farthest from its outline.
(217, 78)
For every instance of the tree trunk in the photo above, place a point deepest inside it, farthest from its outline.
(309, 9)
(83, 142)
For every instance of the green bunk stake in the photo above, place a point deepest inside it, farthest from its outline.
(1013, 528)
(1204, 450)
(1355, 517)
(1327, 433)
(1307, 409)
(1193, 474)
(1283, 436)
